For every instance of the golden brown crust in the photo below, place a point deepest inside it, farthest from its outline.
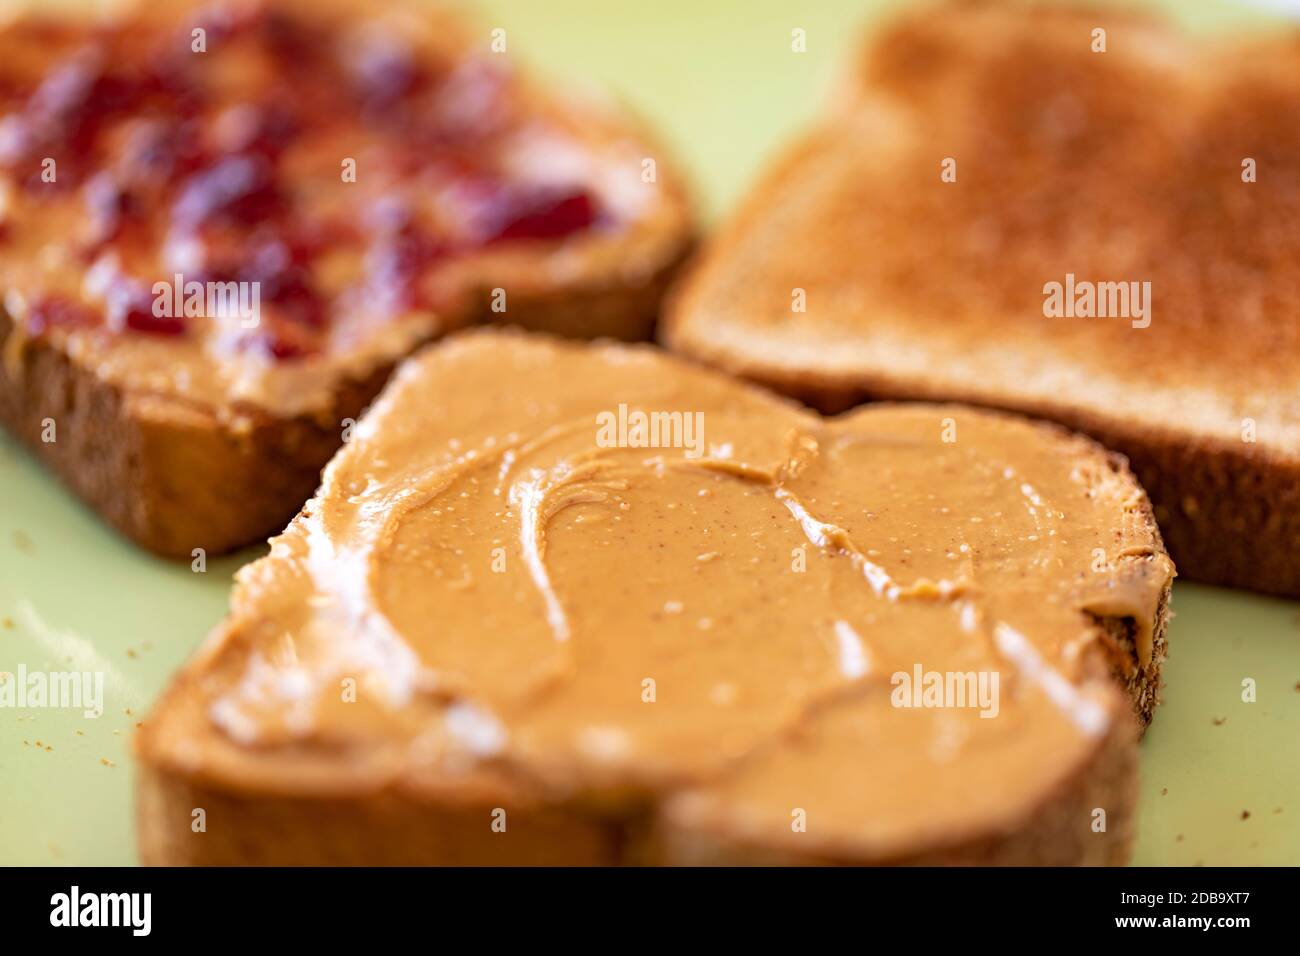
(387, 829)
(169, 476)
(390, 829)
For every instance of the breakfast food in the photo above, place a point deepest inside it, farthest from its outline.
(223, 224)
(1075, 214)
(632, 610)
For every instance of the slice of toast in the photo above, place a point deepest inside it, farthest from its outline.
(943, 234)
(224, 223)
(631, 610)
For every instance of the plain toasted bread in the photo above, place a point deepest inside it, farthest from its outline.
(444, 660)
(982, 151)
(166, 439)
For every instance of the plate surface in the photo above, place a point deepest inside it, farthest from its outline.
(1220, 776)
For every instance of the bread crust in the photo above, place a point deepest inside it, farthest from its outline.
(387, 829)
(392, 828)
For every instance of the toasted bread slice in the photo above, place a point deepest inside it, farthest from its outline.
(631, 610)
(989, 158)
(223, 224)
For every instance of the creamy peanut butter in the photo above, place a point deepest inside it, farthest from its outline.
(484, 589)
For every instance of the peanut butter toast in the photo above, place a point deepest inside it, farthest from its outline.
(633, 611)
(1074, 213)
(224, 223)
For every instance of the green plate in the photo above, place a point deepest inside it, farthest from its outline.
(1220, 776)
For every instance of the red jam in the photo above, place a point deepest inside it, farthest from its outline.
(542, 214)
(109, 206)
(162, 150)
(130, 306)
(58, 312)
(236, 190)
(282, 341)
(285, 280)
(138, 317)
(398, 260)
(154, 153)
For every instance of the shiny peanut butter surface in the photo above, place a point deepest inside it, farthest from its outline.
(496, 583)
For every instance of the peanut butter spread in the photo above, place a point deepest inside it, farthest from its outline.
(371, 176)
(501, 585)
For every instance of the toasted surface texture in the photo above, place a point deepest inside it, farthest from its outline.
(1065, 164)
(375, 176)
(534, 630)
